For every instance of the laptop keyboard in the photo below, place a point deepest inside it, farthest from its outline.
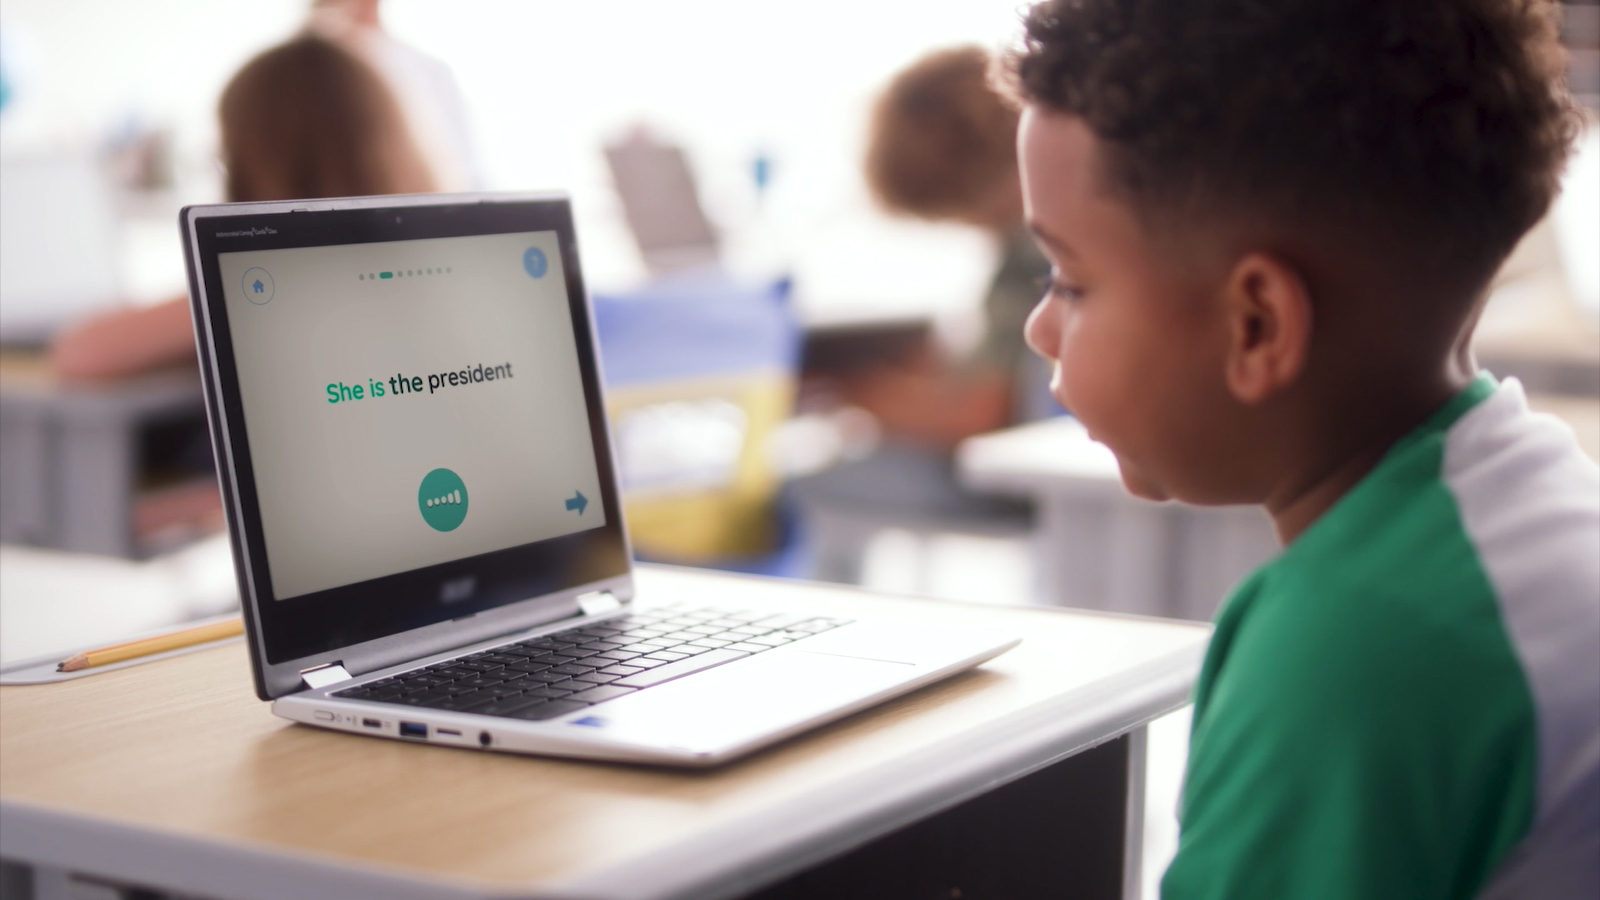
(549, 676)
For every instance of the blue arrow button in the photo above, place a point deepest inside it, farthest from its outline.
(578, 502)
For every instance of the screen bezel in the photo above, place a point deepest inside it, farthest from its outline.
(317, 624)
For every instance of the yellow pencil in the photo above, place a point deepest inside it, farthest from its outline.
(161, 643)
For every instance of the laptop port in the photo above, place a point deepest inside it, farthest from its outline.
(372, 723)
(450, 731)
(413, 730)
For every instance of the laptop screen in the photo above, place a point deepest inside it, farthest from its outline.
(417, 414)
(409, 403)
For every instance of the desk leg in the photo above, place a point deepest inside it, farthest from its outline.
(48, 883)
(95, 477)
(1072, 829)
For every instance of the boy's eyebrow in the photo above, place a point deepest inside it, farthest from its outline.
(1050, 240)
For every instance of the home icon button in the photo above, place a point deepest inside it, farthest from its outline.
(257, 285)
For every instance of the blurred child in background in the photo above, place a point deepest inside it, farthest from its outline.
(942, 147)
(303, 120)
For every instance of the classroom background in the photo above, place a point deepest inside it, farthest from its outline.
(752, 296)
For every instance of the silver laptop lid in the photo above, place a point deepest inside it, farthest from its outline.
(407, 414)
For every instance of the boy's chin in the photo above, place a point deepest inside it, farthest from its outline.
(1138, 485)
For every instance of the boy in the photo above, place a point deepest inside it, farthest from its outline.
(1272, 226)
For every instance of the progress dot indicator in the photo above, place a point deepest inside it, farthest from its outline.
(442, 500)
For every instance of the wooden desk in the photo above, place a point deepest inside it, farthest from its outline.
(173, 775)
(1096, 546)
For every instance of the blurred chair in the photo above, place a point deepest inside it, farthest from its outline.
(699, 371)
(901, 487)
(659, 198)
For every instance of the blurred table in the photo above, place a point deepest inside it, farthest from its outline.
(76, 460)
(1096, 546)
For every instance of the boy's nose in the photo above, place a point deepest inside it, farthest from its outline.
(1043, 331)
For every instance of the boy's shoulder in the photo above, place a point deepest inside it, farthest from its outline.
(1478, 534)
(1439, 628)
(1486, 502)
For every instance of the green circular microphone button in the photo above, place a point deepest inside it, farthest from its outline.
(442, 499)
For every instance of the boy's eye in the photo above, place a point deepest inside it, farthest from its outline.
(1054, 288)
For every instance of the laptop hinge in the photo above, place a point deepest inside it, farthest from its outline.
(598, 602)
(324, 675)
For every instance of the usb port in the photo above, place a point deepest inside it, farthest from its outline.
(413, 730)
(372, 723)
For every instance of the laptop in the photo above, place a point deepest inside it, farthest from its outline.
(410, 432)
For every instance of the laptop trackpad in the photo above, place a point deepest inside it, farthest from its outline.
(727, 706)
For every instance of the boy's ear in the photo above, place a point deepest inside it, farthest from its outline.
(1269, 327)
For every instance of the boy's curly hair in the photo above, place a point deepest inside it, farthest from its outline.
(1432, 129)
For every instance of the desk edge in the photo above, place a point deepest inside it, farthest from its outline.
(756, 851)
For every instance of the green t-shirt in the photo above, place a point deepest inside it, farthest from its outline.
(1406, 702)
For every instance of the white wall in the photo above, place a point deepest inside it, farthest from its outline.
(546, 84)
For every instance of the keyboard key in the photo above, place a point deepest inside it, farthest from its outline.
(704, 629)
(771, 640)
(782, 620)
(505, 690)
(510, 705)
(422, 698)
(618, 655)
(529, 666)
(575, 669)
(602, 646)
(749, 648)
(601, 694)
(622, 670)
(683, 667)
(551, 677)
(466, 702)
(479, 665)
(709, 643)
(814, 626)
(597, 678)
(548, 710)
(554, 692)
(645, 662)
(668, 655)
